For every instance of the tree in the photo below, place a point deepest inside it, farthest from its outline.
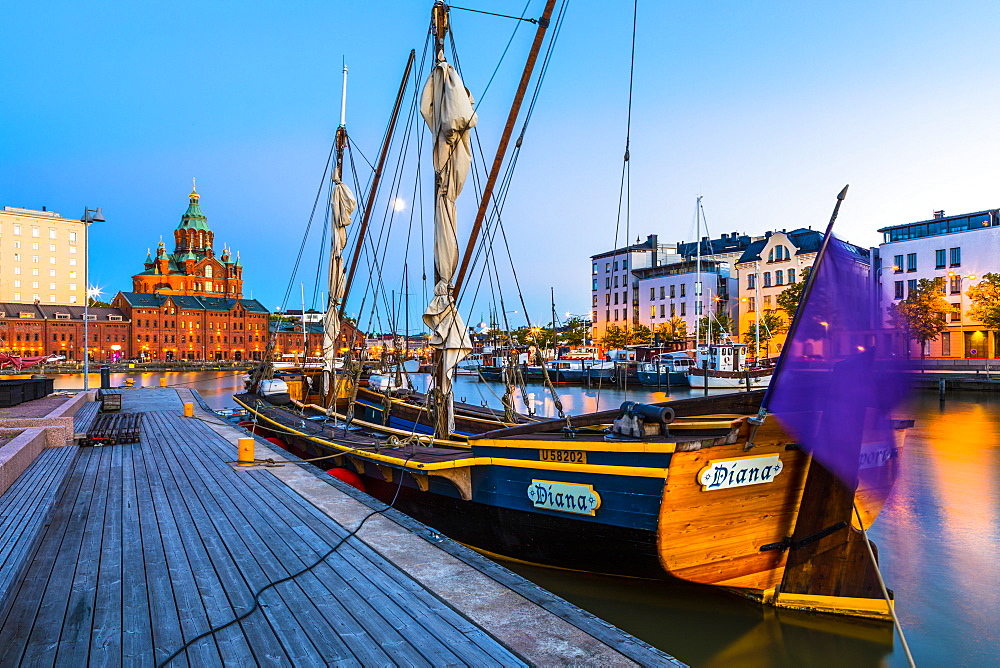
(674, 329)
(923, 315)
(788, 299)
(640, 334)
(577, 331)
(986, 301)
(614, 337)
(718, 324)
(97, 302)
(771, 323)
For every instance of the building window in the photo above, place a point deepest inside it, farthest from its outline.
(683, 308)
(899, 290)
(17, 230)
(616, 299)
(34, 258)
(652, 311)
(624, 265)
(52, 233)
(52, 260)
(956, 257)
(616, 315)
(72, 237)
(595, 283)
(34, 272)
(615, 265)
(607, 267)
(17, 296)
(767, 279)
(607, 299)
(945, 342)
(897, 264)
(607, 283)
(956, 285)
(35, 232)
(52, 298)
(911, 262)
(595, 301)
(683, 289)
(663, 292)
(697, 307)
(672, 295)
(673, 310)
(751, 281)
(595, 268)
(956, 312)
(72, 262)
(751, 305)
(791, 276)
(662, 311)
(779, 277)
(17, 257)
(614, 282)
(767, 302)
(939, 259)
(652, 293)
(52, 248)
(17, 284)
(34, 246)
(607, 315)
(911, 285)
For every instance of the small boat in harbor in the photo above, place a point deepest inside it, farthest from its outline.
(666, 370)
(724, 366)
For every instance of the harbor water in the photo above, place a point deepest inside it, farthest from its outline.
(938, 538)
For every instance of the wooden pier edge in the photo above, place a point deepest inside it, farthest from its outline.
(510, 633)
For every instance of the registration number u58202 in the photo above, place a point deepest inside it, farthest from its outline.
(563, 456)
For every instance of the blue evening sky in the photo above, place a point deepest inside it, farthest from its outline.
(765, 108)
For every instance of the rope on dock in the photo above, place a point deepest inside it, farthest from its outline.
(885, 591)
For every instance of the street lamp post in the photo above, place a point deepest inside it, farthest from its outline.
(89, 216)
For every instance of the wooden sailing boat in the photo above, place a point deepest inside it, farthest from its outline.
(711, 490)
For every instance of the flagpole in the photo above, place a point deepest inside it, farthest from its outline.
(757, 420)
(803, 299)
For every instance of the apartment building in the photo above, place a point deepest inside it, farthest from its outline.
(958, 249)
(42, 257)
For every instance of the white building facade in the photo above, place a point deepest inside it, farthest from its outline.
(958, 249)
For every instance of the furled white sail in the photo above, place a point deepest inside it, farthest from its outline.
(342, 205)
(447, 108)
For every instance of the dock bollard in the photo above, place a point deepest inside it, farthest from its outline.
(245, 450)
(163, 382)
(189, 409)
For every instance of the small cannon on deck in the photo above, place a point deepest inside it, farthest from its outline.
(642, 420)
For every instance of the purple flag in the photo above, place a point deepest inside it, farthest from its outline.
(840, 377)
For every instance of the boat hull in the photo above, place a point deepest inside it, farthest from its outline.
(644, 508)
(729, 380)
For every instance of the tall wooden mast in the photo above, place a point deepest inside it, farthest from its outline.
(515, 110)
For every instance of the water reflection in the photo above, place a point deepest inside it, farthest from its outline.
(216, 387)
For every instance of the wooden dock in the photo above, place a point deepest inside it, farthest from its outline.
(152, 548)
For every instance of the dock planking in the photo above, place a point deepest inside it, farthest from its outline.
(153, 543)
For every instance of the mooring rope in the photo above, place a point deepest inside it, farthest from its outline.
(885, 590)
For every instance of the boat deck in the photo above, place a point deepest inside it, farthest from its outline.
(153, 544)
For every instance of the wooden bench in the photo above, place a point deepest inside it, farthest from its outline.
(25, 510)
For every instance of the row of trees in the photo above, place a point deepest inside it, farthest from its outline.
(923, 315)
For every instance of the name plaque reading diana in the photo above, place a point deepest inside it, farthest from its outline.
(739, 472)
(564, 496)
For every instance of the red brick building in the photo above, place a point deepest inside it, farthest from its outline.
(34, 329)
